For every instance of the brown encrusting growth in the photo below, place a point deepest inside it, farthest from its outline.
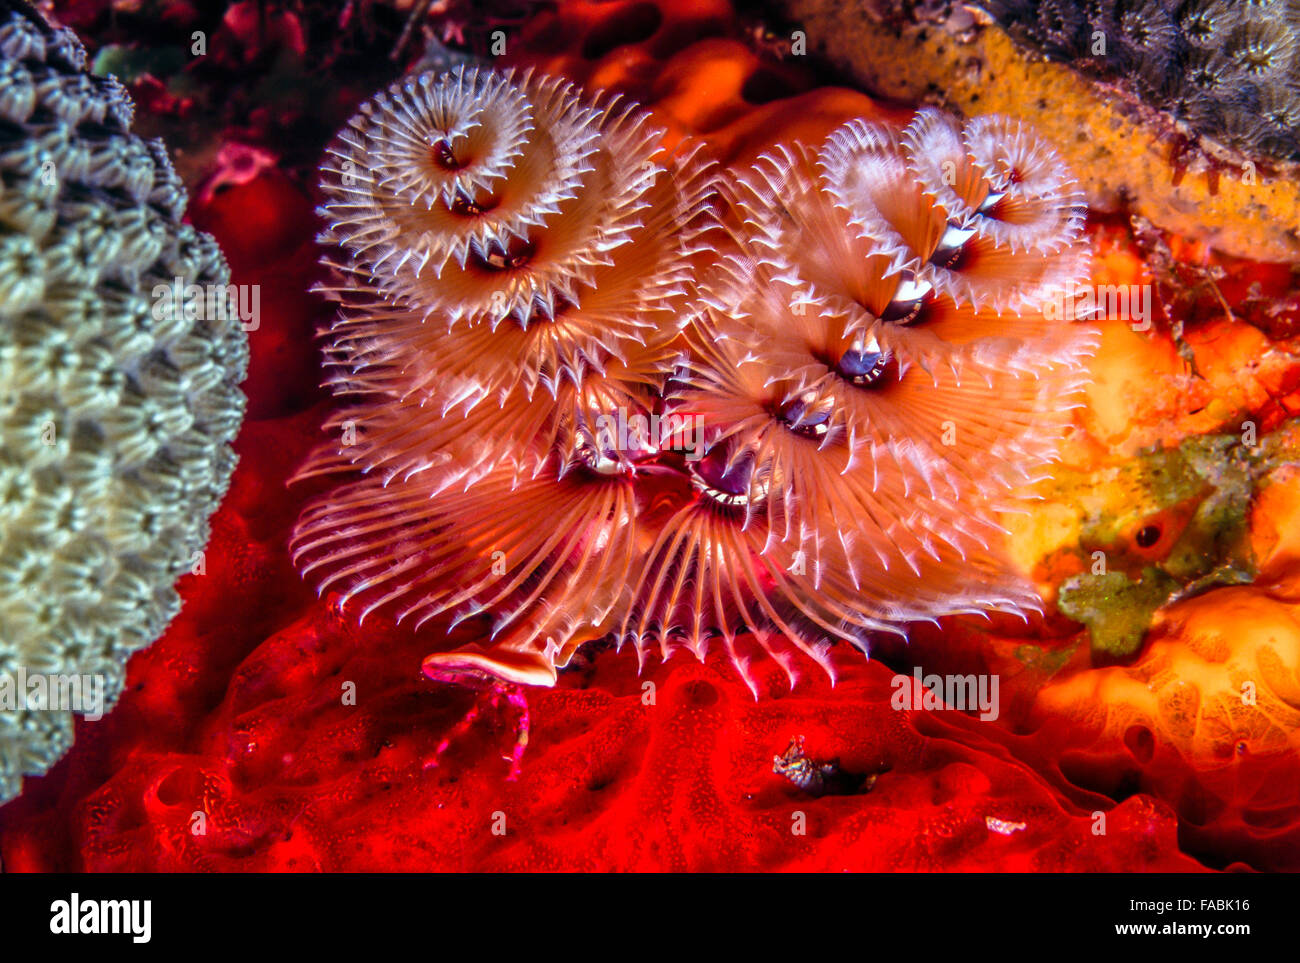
(596, 388)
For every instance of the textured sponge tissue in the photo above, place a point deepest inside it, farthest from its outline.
(118, 391)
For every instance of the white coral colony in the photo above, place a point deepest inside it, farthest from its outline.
(115, 420)
(855, 328)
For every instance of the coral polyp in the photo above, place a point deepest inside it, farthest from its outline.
(1209, 63)
(836, 364)
(117, 403)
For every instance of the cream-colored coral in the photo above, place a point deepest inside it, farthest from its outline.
(116, 412)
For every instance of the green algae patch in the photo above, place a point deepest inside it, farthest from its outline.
(1116, 609)
(1166, 525)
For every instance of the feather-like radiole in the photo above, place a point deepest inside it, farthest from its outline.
(868, 366)
(1000, 237)
(483, 549)
(481, 392)
(454, 434)
(866, 426)
(1023, 196)
(481, 196)
(846, 490)
(786, 220)
(957, 420)
(445, 166)
(634, 306)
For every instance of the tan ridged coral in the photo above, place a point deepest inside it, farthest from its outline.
(116, 416)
